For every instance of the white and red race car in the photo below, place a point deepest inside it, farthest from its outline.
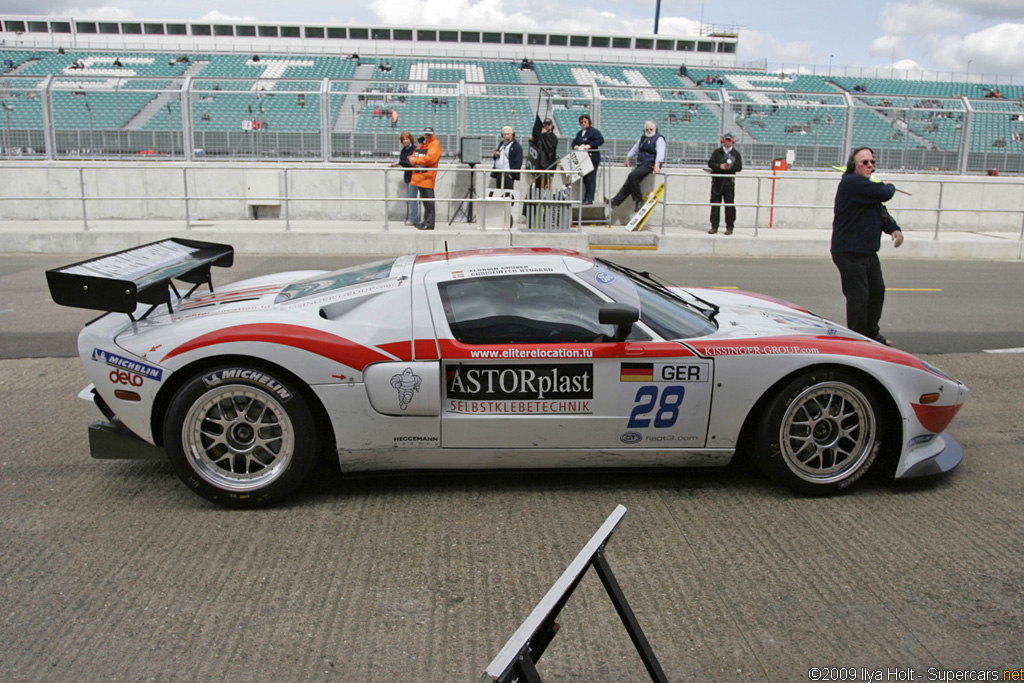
(504, 358)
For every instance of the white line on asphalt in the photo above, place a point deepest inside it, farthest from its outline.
(1017, 350)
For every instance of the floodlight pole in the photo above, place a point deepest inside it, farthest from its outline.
(7, 117)
(657, 15)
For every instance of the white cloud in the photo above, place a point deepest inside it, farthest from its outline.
(755, 44)
(216, 15)
(449, 12)
(676, 26)
(989, 9)
(103, 12)
(946, 51)
(998, 48)
(528, 15)
(884, 46)
(919, 18)
(906, 65)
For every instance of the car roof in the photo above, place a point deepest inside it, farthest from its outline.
(488, 254)
(555, 260)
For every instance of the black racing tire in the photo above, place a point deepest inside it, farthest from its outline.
(240, 436)
(821, 432)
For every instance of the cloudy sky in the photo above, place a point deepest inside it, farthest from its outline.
(944, 35)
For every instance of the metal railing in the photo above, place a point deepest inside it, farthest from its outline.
(938, 203)
(80, 117)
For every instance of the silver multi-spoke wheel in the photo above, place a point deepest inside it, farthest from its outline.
(827, 432)
(820, 432)
(238, 438)
(242, 436)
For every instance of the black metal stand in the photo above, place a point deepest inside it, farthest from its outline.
(518, 659)
(468, 200)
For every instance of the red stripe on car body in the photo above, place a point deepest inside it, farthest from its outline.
(344, 351)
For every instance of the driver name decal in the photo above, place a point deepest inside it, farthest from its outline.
(519, 389)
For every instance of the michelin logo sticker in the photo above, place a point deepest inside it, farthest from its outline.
(407, 384)
(132, 366)
(247, 375)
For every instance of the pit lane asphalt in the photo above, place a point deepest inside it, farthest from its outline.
(114, 571)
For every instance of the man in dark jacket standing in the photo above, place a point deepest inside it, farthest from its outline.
(543, 150)
(725, 163)
(860, 219)
(588, 140)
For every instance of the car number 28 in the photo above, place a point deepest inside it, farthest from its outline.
(663, 402)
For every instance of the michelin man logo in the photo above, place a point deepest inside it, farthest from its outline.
(407, 384)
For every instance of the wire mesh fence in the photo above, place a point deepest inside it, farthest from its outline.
(359, 119)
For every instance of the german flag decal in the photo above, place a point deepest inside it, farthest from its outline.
(637, 372)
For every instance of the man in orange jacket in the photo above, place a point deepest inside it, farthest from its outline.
(427, 154)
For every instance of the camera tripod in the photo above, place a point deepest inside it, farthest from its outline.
(466, 207)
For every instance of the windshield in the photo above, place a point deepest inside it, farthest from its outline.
(668, 314)
(346, 277)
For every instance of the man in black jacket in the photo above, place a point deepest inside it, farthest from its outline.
(588, 140)
(543, 150)
(860, 219)
(725, 163)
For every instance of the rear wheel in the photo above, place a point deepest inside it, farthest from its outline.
(820, 433)
(240, 437)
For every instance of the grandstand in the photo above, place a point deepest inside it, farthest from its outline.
(323, 92)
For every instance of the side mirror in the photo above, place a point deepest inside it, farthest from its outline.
(621, 315)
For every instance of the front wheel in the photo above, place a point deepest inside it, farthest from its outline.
(820, 433)
(240, 437)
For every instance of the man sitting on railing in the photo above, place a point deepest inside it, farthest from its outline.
(649, 152)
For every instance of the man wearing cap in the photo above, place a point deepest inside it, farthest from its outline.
(649, 152)
(725, 163)
(426, 155)
(507, 157)
(543, 150)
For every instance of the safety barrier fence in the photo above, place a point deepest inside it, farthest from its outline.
(765, 200)
(97, 116)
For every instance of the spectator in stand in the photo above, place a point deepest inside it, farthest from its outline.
(394, 118)
(588, 140)
(412, 214)
(649, 152)
(426, 155)
(725, 163)
(508, 159)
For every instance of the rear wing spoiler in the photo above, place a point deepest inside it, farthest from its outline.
(119, 282)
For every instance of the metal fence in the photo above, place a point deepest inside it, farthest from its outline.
(89, 117)
(188, 192)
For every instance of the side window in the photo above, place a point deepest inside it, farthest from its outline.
(522, 309)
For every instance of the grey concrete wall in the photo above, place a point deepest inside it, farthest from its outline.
(354, 192)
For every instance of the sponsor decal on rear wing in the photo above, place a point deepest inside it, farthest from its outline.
(119, 282)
